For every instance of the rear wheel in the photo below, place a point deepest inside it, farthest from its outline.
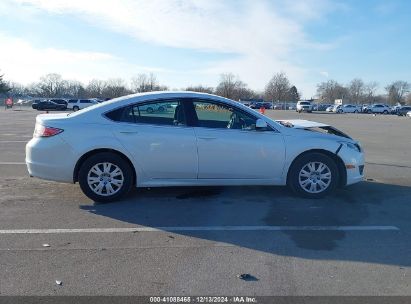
(75, 108)
(385, 112)
(313, 175)
(105, 177)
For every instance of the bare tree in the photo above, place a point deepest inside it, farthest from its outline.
(369, 91)
(95, 88)
(51, 85)
(227, 85)
(200, 88)
(115, 87)
(397, 91)
(277, 88)
(330, 91)
(231, 87)
(356, 91)
(146, 83)
(17, 89)
(74, 89)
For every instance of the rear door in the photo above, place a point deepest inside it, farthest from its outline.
(230, 147)
(159, 140)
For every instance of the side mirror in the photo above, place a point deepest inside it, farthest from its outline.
(260, 124)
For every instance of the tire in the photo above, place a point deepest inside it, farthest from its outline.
(385, 112)
(100, 191)
(150, 110)
(75, 108)
(161, 109)
(369, 111)
(298, 182)
(355, 111)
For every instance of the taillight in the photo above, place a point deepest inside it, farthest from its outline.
(43, 131)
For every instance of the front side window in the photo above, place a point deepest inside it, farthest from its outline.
(220, 116)
(85, 101)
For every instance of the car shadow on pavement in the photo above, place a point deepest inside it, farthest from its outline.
(364, 204)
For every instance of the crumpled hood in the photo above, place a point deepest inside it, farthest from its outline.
(312, 126)
(301, 123)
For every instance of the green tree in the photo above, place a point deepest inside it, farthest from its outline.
(4, 88)
(293, 94)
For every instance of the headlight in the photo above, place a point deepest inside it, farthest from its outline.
(351, 145)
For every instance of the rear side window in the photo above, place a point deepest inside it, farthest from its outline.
(164, 112)
(85, 101)
(72, 101)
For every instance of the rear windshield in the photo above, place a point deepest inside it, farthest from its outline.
(305, 103)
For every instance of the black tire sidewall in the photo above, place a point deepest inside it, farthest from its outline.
(100, 158)
(300, 162)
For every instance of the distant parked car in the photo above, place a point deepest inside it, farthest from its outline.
(322, 107)
(60, 102)
(348, 108)
(304, 106)
(403, 110)
(48, 105)
(394, 109)
(330, 108)
(336, 108)
(78, 104)
(379, 108)
(258, 105)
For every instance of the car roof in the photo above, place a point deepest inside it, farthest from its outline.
(140, 97)
(143, 97)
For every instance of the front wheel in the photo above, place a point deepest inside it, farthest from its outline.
(385, 112)
(313, 175)
(105, 177)
(75, 108)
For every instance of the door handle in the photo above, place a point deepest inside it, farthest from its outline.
(208, 138)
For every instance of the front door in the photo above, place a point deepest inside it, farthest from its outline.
(230, 147)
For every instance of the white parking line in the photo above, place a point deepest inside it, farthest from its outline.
(201, 228)
(12, 163)
(13, 141)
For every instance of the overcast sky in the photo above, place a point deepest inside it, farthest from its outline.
(192, 42)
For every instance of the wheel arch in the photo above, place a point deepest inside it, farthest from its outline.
(338, 161)
(96, 151)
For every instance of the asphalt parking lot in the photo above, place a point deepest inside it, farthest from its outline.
(356, 242)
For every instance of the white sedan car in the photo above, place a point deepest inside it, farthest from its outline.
(347, 108)
(78, 104)
(200, 140)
